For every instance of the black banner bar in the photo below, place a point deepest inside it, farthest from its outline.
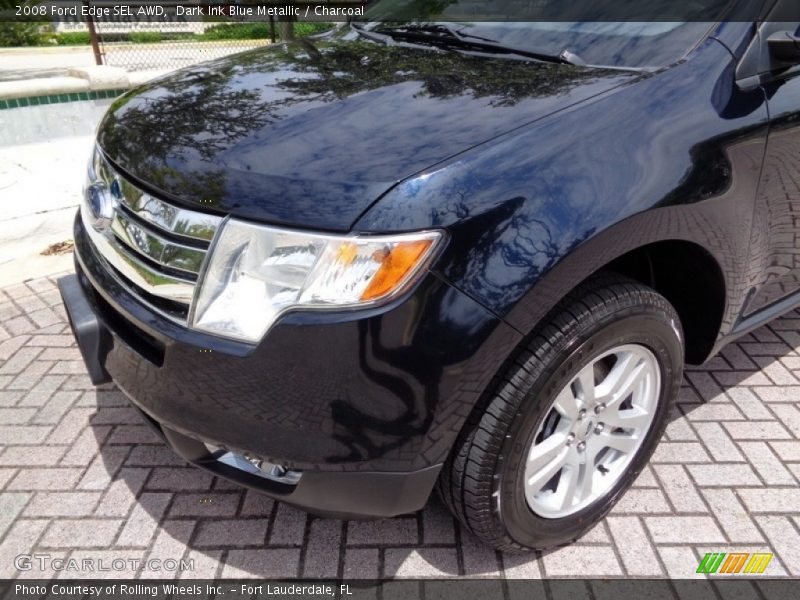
(404, 589)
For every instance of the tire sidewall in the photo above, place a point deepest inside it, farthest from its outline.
(640, 325)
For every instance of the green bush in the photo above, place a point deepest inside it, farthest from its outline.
(145, 37)
(260, 30)
(21, 33)
(176, 37)
(73, 38)
(81, 38)
(31, 33)
(310, 28)
(236, 31)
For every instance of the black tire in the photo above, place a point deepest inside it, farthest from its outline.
(482, 480)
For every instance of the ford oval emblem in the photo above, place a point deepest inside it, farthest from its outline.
(101, 205)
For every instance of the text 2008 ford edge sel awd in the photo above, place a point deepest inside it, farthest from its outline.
(345, 271)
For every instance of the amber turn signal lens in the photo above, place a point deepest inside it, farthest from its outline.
(396, 265)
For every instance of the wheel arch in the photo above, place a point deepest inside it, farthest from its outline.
(689, 277)
(685, 270)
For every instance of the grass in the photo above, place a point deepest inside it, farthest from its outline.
(256, 31)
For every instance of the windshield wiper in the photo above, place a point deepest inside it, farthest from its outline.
(437, 29)
(444, 36)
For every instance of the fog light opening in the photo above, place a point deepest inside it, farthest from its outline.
(256, 466)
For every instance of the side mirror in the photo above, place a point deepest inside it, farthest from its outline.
(784, 46)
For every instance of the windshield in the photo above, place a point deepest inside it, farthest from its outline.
(619, 44)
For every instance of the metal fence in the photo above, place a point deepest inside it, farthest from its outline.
(173, 43)
(167, 48)
(172, 54)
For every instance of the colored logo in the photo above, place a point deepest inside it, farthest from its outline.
(735, 562)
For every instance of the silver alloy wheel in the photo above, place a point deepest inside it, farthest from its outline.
(592, 431)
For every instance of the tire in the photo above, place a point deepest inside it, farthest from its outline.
(609, 321)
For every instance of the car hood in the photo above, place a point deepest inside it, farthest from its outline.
(310, 134)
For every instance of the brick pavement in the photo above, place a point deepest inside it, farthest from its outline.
(82, 477)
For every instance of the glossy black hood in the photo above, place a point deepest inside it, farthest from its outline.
(311, 133)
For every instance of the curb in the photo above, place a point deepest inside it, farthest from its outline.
(80, 83)
(58, 98)
(89, 79)
(37, 50)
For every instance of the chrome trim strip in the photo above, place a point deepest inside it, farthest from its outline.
(187, 223)
(176, 220)
(155, 247)
(143, 276)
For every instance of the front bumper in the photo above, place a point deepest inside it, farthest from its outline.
(365, 404)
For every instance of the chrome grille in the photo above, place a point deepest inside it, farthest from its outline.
(156, 249)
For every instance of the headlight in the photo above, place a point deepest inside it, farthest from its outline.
(255, 273)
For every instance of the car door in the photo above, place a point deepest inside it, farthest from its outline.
(775, 246)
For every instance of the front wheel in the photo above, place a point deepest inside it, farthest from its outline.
(572, 421)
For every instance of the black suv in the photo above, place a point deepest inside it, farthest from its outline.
(346, 270)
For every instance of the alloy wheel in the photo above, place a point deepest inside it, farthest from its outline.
(591, 432)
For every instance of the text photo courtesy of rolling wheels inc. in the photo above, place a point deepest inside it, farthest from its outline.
(400, 299)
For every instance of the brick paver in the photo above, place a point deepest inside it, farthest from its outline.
(81, 477)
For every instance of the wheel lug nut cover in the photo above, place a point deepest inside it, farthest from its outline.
(582, 446)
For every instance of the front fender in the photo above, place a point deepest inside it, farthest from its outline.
(674, 156)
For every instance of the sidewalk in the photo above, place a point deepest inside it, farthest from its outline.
(44, 151)
(45, 141)
(26, 72)
(29, 63)
(36, 60)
